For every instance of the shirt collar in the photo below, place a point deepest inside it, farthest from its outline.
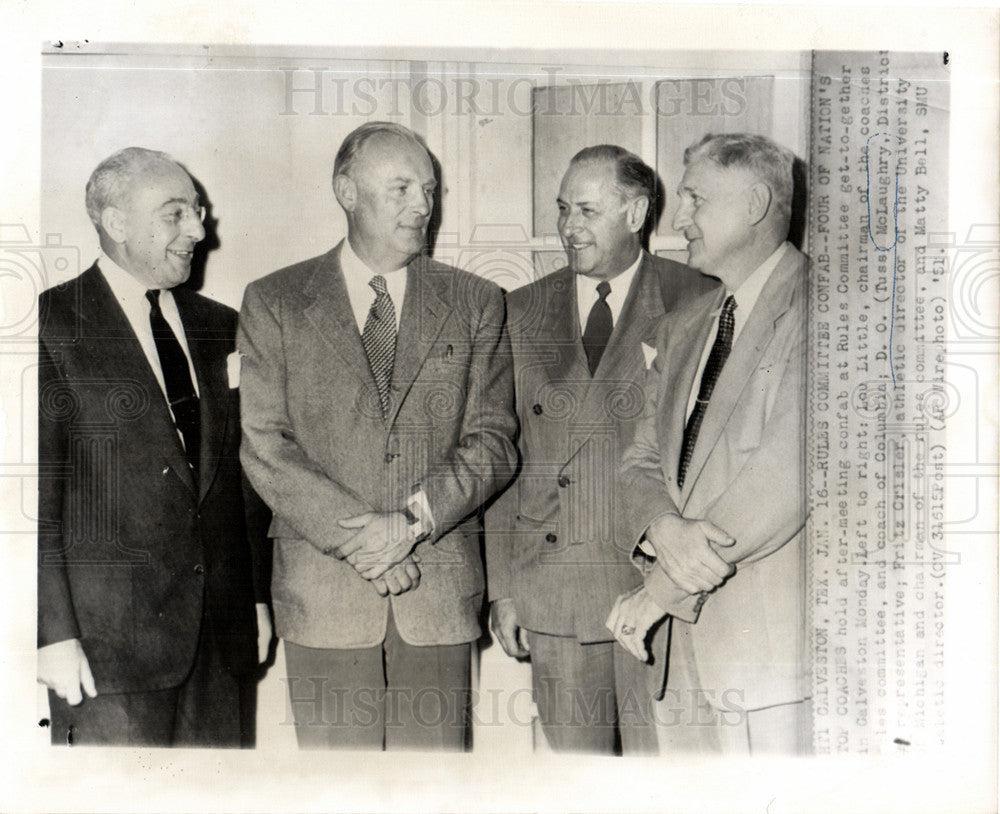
(353, 265)
(123, 285)
(586, 288)
(749, 291)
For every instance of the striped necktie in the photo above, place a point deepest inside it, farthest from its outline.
(379, 339)
(184, 403)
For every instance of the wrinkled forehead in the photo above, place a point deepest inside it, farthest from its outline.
(705, 174)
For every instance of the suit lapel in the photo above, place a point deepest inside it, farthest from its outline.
(208, 358)
(622, 363)
(685, 343)
(426, 306)
(333, 320)
(744, 359)
(103, 318)
(559, 331)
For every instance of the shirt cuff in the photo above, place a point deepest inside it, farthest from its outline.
(646, 548)
(419, 513)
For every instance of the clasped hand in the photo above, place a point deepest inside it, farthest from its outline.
(380, 551)
(684, 550)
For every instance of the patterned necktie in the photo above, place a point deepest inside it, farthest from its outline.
(599, 326)
(710, 375)
(379, 339)
(181, 394)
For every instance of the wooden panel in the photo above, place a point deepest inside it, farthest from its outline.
(687, 109)
(565, 119)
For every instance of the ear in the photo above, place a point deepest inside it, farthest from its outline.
(113, 223)
(346, 192)
(759, 202)
(635, 216)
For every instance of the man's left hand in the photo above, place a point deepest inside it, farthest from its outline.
(631, 618)
(383, 540)
(264, 632)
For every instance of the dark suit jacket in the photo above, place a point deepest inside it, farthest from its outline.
(317, 448)
(747, 476)
(551, 543)
(131, 556)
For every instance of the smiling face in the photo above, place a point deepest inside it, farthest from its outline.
(598, 227)
(717, 218)
(388, 197)
(155, 226)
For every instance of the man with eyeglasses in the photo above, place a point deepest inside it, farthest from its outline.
(152, 606)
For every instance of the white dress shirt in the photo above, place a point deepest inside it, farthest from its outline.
(362, 296)
(746, 297)
(586, 293)
(130, 294)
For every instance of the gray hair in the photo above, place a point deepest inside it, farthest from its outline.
(107, 183)
(349, 151)
(765, 159)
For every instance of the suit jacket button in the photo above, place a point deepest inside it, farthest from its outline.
(563, 481)
(537, 409)
(199, 569)
(328, 551)
(390, 457)
(550, 537)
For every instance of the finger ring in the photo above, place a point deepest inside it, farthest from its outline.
(627, 630)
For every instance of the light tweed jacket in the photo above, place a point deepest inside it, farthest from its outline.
(317, 448)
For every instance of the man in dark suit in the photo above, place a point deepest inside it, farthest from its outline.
(146, 590)
(714, 479)
(377, 419)
(554, 564)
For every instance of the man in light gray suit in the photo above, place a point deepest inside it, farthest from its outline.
(554, 563)
(714, 477)
(378, 418)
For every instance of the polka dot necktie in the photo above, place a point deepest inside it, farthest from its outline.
(710, 375)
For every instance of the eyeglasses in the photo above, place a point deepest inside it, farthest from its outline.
(181, 213)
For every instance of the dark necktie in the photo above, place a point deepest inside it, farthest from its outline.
(379, 339)
(599, 325)
(710, 375)
(177, 377)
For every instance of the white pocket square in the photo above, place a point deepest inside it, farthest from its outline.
(233, 362)
(648, 354)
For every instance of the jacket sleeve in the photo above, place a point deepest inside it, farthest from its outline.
(279, 469)
(499, 525)
(258, 521)
(644, 489)
(484, 459)
(56, 616)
